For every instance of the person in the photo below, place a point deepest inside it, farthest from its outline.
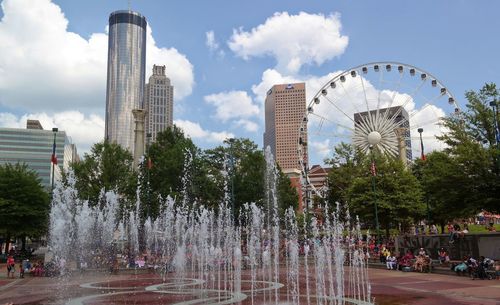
(384, 254)
(405, 262)
(461, 268)
(497, 269)
(11, 266)
(21, 270)
(422, 252)
(464, 231)
(434, 229)
(391, 262)
(443, 256)
(454, 233)
(422, 262)
(491, 227)
(482, 266)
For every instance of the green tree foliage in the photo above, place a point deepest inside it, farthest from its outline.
(173, 157)
(347, 164)
(398, 193)
(287, 194)
(247, 174)
(473, 148)
(24, 204)
(444, 186)
(107, 167)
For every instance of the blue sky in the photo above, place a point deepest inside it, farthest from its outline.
(457, 41)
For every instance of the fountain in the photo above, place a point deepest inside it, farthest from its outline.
(201, 256)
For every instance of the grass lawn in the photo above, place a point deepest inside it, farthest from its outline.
(481, 228)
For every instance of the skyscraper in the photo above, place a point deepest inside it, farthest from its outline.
(126, 75)
(285, 107)
(158, 102)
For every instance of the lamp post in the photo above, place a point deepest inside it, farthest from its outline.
(149, 165)
(422, 155)
(54, 162)
(231, 165)
(494, 105)
(373, 171)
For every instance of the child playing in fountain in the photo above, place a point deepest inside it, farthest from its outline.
(11, 266)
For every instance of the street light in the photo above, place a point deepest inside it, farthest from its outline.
(231, 164)
(373, 171)
(422, 154)
(494, 105)
(53, 161)
(149, 166)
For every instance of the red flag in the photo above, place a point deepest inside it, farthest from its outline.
(150, 163)
(53, 159)
(373, 169)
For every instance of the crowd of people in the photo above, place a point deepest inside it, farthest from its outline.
(25, 267)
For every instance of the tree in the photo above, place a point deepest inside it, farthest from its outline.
(397, 191)
(24, 204)
(346, 165)
(474, 149)
(444, 186)
(246, 166)
(107, 167)
(175, 167)
(287, 194)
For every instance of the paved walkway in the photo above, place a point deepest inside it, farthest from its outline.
(435, 289)
(388, 288)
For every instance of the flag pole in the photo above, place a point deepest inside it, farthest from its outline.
(53, 161)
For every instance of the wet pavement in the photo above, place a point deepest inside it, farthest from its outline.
(388, 288)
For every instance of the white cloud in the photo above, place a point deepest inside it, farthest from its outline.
(293, 40)
(195, 131)
(271, 77)
(84, 130)
(213, 45)
(232, 104)
(247, 125)
(62, 69)
(321, 148)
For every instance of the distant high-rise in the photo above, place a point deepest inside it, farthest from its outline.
(158, 102)
(33, 146)
(285, 107)
(126, 75)
(401, 117)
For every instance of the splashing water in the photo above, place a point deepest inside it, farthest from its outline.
(266, 258)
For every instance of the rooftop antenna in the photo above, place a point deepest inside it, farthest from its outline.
(128, 5)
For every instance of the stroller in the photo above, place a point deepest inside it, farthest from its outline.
(483, 270)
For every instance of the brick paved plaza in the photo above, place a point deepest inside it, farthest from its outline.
(388, 288)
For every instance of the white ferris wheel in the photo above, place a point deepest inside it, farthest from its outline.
(389, 106)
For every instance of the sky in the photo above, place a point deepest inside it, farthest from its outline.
(223, 56)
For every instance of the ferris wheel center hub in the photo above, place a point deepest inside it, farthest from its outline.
(374, 138)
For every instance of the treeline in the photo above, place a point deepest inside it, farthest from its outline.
(232, 173)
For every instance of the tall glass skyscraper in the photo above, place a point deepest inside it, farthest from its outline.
(126, 75)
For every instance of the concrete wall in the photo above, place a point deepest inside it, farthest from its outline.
(487, 244)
